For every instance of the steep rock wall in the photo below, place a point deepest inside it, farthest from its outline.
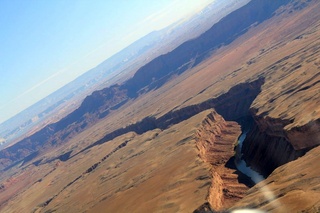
(300, 136)
(265, 152)
(216, 140)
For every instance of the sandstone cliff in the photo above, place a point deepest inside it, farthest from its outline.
(216, 140)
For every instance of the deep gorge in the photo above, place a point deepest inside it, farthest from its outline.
(261, 151)
(228, 105)
(150, 76)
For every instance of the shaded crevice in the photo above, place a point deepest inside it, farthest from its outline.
(264, 153)
(242, 178)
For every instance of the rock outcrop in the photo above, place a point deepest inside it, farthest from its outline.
(216, 140)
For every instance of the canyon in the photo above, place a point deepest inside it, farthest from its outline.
(166, 139)
(152, 75)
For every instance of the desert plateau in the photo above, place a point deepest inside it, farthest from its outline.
(227, 120)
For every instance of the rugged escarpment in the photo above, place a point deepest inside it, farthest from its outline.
(216, 140)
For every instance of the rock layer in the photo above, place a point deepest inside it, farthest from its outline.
(264, 153)
(216, 140)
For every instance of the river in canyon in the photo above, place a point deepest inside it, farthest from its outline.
(240, 162)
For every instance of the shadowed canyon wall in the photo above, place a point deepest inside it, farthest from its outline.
(232, 105)
(265, 152)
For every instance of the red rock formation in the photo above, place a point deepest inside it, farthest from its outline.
(216, 140)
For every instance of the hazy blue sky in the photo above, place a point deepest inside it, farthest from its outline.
(45, 44)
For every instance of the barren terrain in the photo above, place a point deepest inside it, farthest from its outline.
(162, 148)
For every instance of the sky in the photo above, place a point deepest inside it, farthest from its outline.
(44, 44)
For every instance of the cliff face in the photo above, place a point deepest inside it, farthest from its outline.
(216, 140)
(264, 152)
